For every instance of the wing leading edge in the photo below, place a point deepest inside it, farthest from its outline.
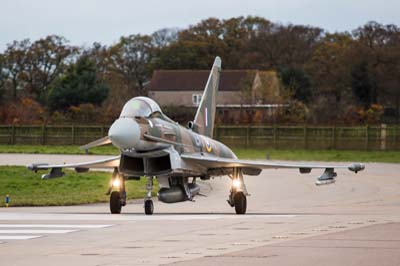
(56, 169)
(254, 166)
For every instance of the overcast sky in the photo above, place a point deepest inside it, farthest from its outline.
(86, 21)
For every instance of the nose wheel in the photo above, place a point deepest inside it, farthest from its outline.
(148, 202)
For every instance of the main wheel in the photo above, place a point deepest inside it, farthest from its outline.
(115, 202)
(148, 207)
(240, 203)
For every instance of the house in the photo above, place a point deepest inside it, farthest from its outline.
(185, 87)
(240, 91)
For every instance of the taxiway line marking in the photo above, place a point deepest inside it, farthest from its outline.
(79, 226)
(36, 231)
(18, 237)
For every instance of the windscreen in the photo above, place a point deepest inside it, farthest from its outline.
(140, 107)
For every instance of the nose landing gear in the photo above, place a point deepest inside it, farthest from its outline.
(148, 202)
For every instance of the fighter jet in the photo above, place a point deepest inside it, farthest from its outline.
(153, 146)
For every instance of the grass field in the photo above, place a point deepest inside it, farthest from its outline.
(26, 188)
(50, 149)
(295, 155)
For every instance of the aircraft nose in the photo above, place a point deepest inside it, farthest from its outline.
(124, 133)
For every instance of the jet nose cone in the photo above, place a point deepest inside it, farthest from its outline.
(124, 133)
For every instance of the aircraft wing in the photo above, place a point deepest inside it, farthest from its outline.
(254, 167)
(56, 169)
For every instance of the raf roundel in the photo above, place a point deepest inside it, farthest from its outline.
(208, 146)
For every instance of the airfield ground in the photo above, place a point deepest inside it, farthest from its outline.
(273, 154)
(290, 221)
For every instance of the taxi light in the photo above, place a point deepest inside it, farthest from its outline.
(236, 183)
(116, 183)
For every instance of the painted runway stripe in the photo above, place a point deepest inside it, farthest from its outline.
(79, 226)
(22, 231)
(18, 237)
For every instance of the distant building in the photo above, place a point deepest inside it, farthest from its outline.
(239, 91)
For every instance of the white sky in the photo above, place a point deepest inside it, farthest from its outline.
(86, 21)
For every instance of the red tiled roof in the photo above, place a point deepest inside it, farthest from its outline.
(195, 80)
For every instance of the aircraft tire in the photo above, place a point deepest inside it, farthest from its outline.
(148, 207)
(115, 202)
(240, 203)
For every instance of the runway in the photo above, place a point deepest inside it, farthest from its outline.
(290, 221)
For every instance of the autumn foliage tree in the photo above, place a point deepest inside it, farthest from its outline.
(78, 85)
(336, 76)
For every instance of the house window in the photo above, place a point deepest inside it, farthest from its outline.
(196, 98)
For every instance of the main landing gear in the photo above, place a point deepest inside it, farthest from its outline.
(148, 202)
(237, 197)
(118, 192)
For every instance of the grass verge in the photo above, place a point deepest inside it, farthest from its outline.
(25, 188)
(291, 155)
(59, 149)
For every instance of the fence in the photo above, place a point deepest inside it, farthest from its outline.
(279, 137)
(312, 137)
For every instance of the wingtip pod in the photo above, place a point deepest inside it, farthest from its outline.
(356, 167)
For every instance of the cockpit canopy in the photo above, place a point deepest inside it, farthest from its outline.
(140, 107)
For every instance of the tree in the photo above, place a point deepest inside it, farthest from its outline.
(46, 59)
(3, 77)
(14, 62)
(364, 89)
(78, 85)
(297, 82)
(164, 37)
(377, 57)
(100, 56)
(130, 58)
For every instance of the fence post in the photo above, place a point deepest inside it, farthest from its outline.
(383, 137)
(247, 136)
(13, 134)
(333, 140)
(275, 137)
(73, 134)
(305, 137)
(102, 130)
(366, 137)
(216, 132)
(43, 134)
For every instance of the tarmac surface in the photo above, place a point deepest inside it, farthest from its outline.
(290, 221)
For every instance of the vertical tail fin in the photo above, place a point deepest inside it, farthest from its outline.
(205, 115)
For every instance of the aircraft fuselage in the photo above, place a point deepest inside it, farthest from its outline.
(161, 143)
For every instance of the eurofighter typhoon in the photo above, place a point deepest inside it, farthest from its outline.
(154, 146)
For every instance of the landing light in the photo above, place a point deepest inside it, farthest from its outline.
(116, 183)
(236, 183)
